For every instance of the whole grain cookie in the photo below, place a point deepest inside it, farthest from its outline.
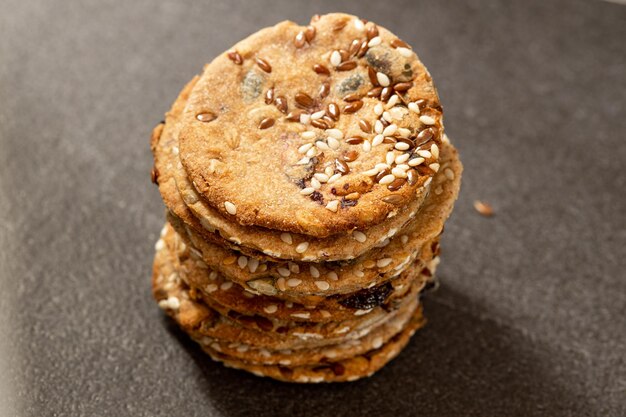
(316, 137)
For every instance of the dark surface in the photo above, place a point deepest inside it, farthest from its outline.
(530, 319)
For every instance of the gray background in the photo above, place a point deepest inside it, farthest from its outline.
(530, 319)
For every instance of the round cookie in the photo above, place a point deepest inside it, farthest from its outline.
(294, 135)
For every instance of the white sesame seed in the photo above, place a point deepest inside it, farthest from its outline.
(427, 182)
(270, 309)
(242, 261)
(322, 145)
(359, 236)
(434, 167)
(242, 348)
(414, 107)
(321, 177)
(315, 183)
(315, 273)
(371, 172)
(359, 273)
(378, 126)
(332, 275)
(382, 79)
(304, 148)
(427, 120)
(378, 109)
(210, 288)
(434, 150)
(335, 58)
(381, 166)
(378, 139)
(381, 263)
(305, 118)
(283, 271)
(301, 316)
(424, 154)
(303, 161)
(334, 177)
(438, 190)
(175, 150)
(387, 117)
(405, 52)
(404, 132)
(334, 133)
(230, 207)
(398, 173)
(309, 134)
(449, 174)
(307, 191)
(393, 100)
(387, 179)
(173, 302)
(160, 245)
(397, 113)
(390, 130)
(333, 205)
(322, 285)
(415, 162)
(226, 285)
(311, 153)
(293, 267)
(253, 264)
(375, 41)
(318, 114)
(390, 157)
(367, 146)
(377, 343)
(286, 237)
(401, 146)
(213, 275)
(333, 143)
(280, 283)
(403, 167)
(404, 239)
(294, 282)
(402, 158)
(302, 247)
(358, 24)
(329, 170)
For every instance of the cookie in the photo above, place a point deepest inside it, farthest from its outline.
(304, 138)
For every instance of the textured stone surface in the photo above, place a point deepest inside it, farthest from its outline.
(530, 317)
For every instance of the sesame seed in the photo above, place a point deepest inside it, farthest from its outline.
(378, 126)
(389, 158)
(404, 239)
(414, 107)
(424, 154)
(358, 24)
(311, 153)
(230, 260)
(403, 167)
(226, 285)
(303, 161)
(283, 271)
(175, 150)
(307, 191)
(160, 245)
(253, 264)
(299, 40)
(387, 117)
(235, 57)
(230, 208)
(270, 309)
(213, 275)
(381, 166)
(322, 285)
(322, 145)
(427, 120)
(371, 172)
(242, 261)
(333, 143)
(210, 288)
(315, 183)
(305, 118)
(390, 130)
(302, 316)
(382, 79)
(294, 282)
(264, 65)
(321, 177)
(304, 148)
(397, 113)
(335, 58)
(438, 190)
(334, 133)
(332, 275)
(293, 267)
(334, 178)
(333, 205)
(427, 182)
(402, 158)
(434, 167)
(405, 52)
(381, 263)
(393, 100)
(434, 150)
(315, 273)
(402, 146)
(416, 161)
(367, 146)
(378, 139)
(398, 172)
(173, 302)
(378, 109)
(387, 179)
(375, 41)
(483, 208)
(359, 236)
(318, 114)
(377, 343)
(302, 247)
(449, 174)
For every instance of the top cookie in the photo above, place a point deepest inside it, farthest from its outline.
(313, 129)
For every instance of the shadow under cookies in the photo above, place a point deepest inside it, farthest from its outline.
(458, 365)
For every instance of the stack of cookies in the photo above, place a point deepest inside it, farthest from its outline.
(307, 179)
